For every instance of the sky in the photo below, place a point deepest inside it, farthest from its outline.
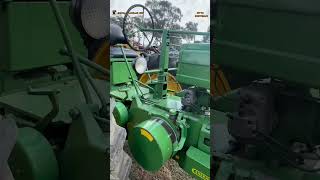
(189, 9)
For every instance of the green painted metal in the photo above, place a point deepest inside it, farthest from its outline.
(161, 86)
(121, 74)
(194, 65)
(150, 136)
(176, 31)
(159, 128)
(85, 147)
(67, 146)
(263, 163)
(139, 112)
(25, 104)
(32, 157)
(197, 163)
(274, 38)
(120, 113)
(204, 138)
(31, 36)
(127, 92)
(131, 73)
(79, 72)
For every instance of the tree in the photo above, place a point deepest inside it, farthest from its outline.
(206, 39)
(118, 20)
(191, 26)
(166, 16)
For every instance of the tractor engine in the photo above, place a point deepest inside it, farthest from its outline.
(160, 129)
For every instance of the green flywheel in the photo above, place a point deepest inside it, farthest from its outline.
(151, 143)
(32, 157)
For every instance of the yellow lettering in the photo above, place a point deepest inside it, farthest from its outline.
(200, 174)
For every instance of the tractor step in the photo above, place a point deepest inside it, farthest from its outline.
(197, 163)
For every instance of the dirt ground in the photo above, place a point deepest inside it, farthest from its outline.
(171, 171)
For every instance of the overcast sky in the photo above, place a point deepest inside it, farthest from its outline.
(189, 8)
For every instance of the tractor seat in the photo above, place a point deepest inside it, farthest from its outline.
(116, 35)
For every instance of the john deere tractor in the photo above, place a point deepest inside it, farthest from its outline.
(267, 126)
(161, 125)
(49, 102)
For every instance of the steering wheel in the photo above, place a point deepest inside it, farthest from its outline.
(134, 21)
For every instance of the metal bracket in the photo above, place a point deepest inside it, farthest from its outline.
(52, 94)
(181, 121)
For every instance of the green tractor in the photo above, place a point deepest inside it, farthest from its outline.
(162, 125)
(53, 113)
(267, 126)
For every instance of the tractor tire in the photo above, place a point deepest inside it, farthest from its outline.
(120, 161)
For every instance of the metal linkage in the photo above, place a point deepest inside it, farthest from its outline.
(80, 71)
(131, 76)
(160, 89)
(87, 62)
(100, 95)
(68, 43)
